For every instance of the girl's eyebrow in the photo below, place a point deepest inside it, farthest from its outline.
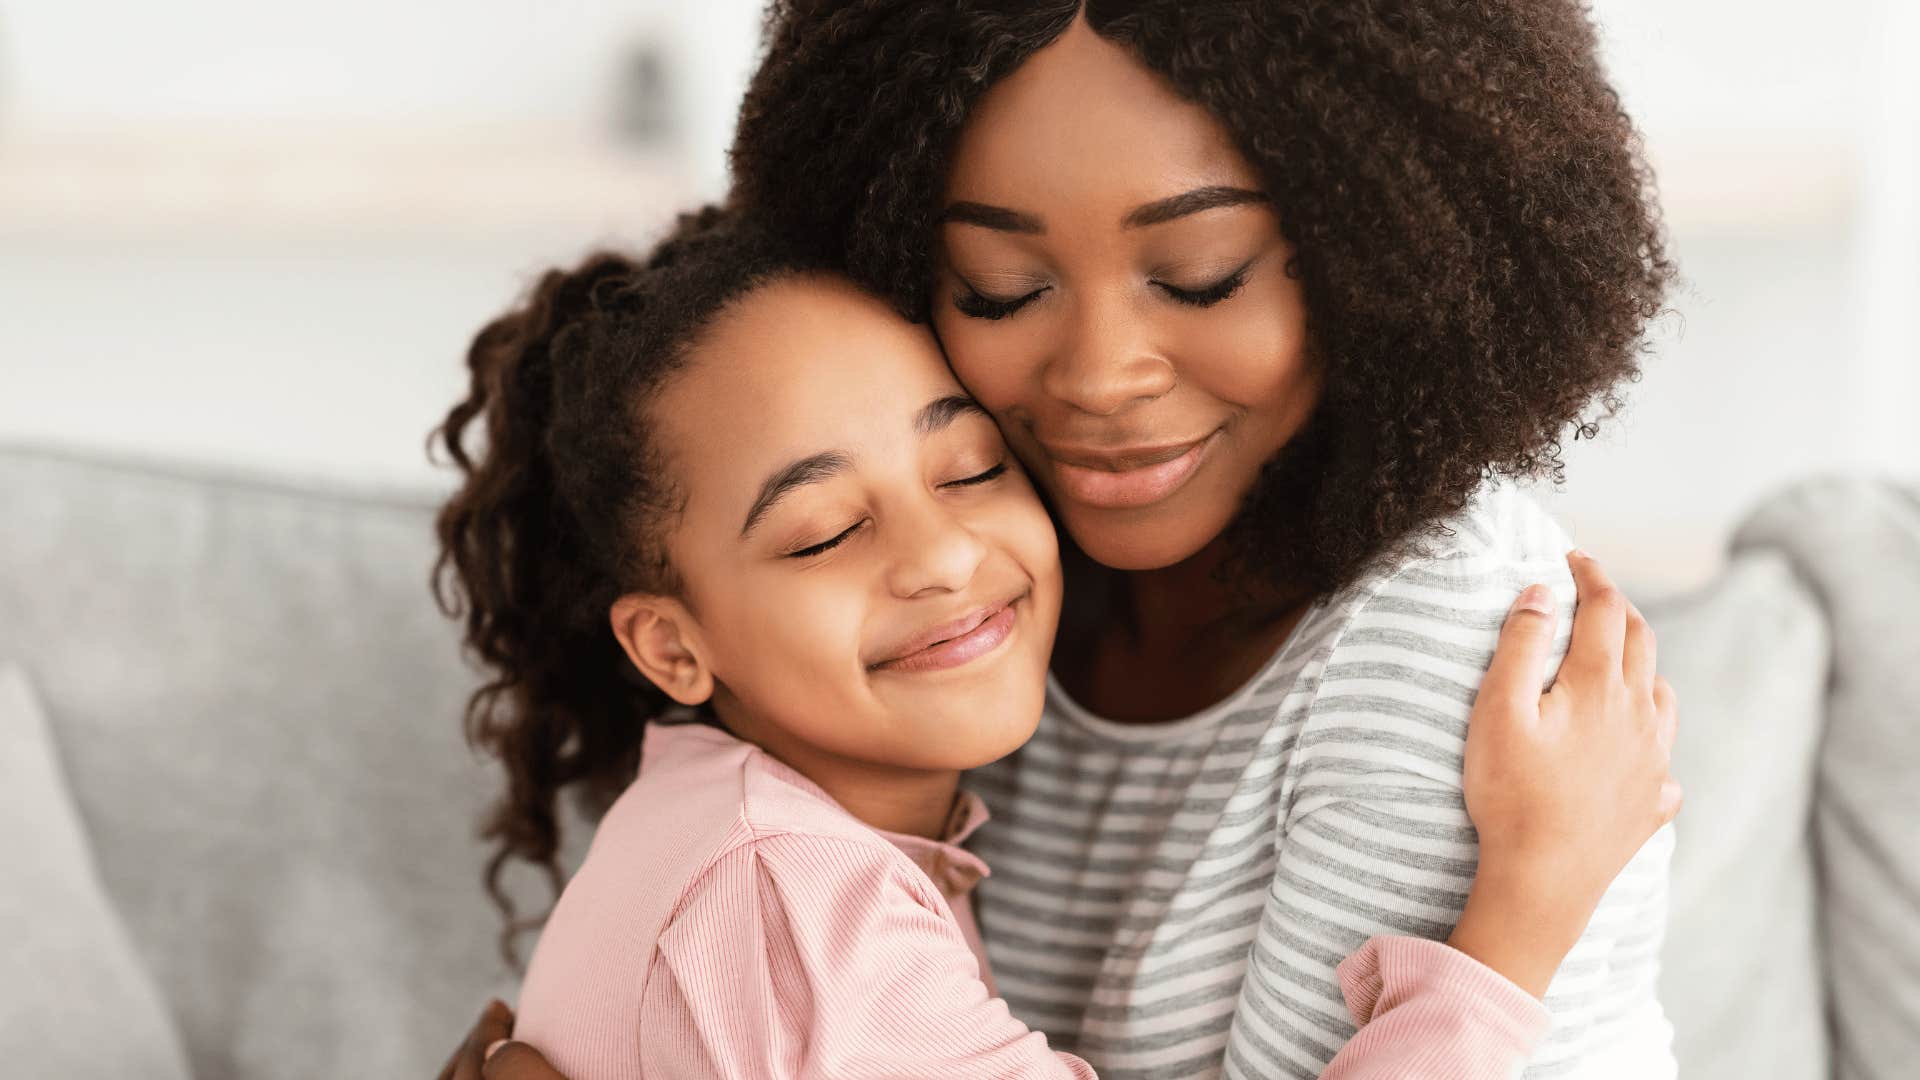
(811, 469)
(937, 414)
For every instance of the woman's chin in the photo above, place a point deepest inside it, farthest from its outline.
(1152, 541)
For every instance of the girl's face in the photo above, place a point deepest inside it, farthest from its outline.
(1112, 285)
(865, 568)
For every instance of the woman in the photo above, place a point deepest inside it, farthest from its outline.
(1262, 294)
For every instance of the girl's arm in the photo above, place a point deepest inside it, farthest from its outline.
(1562, 790)
(813, 956)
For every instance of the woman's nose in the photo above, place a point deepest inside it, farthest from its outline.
(1107, 361)
(935, 552)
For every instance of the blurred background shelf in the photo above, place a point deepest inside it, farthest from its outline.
(236, 238)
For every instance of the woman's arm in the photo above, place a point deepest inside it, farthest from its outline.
(1564, 790)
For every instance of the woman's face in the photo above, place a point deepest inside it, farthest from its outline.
(865, 570)
(1112, 285)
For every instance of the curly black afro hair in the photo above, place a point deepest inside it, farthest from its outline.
(1474, 225)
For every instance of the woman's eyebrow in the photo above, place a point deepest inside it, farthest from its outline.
(1189, 202)
(998, 218)
(812, 469)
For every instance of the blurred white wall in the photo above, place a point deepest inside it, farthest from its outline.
(238, 235)
(259, 237)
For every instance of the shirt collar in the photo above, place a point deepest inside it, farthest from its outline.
(953, 869)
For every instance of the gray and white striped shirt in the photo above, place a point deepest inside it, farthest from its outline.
(1171, 900)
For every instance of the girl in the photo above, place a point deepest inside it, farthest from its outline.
(735, 518)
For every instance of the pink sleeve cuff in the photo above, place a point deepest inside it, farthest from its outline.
(1448, 989)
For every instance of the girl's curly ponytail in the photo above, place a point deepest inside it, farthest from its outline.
(560, 510)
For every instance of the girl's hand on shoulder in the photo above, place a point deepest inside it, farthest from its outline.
(487, 1053)
(1563, 788)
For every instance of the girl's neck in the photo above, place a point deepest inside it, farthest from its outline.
(891, 798)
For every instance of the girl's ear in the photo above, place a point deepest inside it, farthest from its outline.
(661, 638)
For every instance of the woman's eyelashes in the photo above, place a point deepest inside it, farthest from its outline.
(824, 546)
(974, 304)
(1209, 295)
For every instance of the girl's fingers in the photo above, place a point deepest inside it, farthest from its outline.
(1638, 652)
(1666, 711)
(495, 1023)
(1599, 621)
(1670, 799)
(1519, 665)
(518, 1061)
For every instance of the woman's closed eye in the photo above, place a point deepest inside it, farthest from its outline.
(977, 305)
(1208, 295)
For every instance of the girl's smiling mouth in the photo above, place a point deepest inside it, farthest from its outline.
(952, 644)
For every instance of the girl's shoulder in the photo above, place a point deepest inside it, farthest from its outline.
(704, 797)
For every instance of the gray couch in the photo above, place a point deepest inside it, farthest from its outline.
(243, 815)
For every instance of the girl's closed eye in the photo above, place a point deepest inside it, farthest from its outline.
(828, 544)
(986, 477)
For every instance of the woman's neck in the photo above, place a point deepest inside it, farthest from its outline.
(891, 798)
(1155, 645)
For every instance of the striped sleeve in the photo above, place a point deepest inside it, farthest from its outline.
(810, 956)
(1374, 837)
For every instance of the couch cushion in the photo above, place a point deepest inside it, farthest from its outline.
(75, 1001)
(258, 706)
(1740, 973)
(1857, 543)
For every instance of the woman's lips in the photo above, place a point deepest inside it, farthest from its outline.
(1126, 478)
(988, 629)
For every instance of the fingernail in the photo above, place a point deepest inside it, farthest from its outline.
(1534, 598)
(1579, 553)
(492, 1047)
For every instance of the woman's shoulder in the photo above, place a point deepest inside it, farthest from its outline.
(1500, 542)
(1436, 612)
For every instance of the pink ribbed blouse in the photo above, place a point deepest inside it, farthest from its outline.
(732, 920)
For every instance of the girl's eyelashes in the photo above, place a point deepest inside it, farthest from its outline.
(1210, 295)
(979, 478)
(825, 546)
(973, 304)
(844, 535)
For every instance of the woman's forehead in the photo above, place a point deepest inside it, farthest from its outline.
(1084, 114)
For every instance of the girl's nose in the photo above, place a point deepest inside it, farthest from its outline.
(1107, 362)
(934, 552)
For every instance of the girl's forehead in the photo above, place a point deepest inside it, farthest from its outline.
(811, 362)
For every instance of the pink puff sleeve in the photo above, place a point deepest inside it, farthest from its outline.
(800, 956)
(1426, 1010)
